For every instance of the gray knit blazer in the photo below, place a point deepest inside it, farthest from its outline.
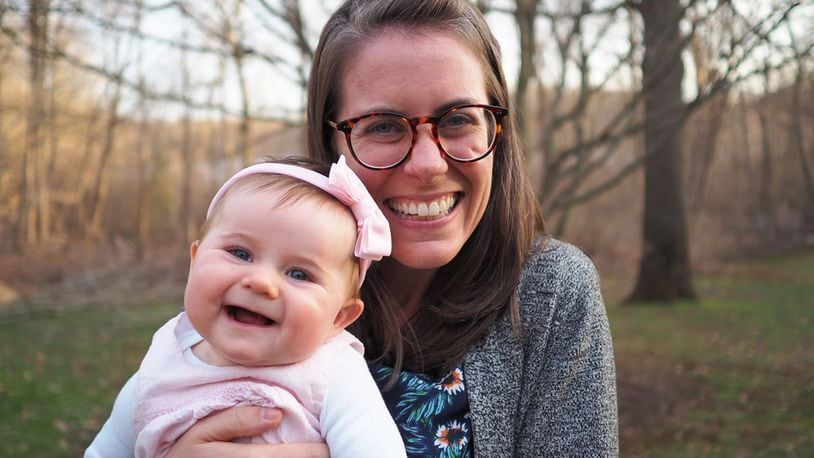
(553, 391)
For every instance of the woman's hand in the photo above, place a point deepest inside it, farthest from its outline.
(211, 436)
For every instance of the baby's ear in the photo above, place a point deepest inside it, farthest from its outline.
(349, 313)
(193, 250)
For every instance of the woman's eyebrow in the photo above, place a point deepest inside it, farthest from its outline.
(458, 102)
(438, 109)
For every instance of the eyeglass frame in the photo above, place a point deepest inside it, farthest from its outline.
(347, 125)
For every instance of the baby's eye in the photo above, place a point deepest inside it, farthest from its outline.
(240, 253)
(299, 274)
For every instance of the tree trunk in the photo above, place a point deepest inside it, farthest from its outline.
(142, 165)
(664, 270)
(712, 117)
(142, 189)
(47, 172)
(187, 226)
(798, 136)
(5, 156)
(525, 14)
(797, 140)
(101, 179)
(235, 35)
(742, 165)
(25, 228)
(765, 220)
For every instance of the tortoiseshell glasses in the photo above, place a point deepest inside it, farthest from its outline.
(383, 140)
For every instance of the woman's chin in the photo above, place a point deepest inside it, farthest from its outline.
(427, 256)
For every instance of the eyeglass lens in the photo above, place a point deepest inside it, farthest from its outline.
(382, 140)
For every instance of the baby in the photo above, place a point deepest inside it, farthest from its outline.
(273, 282)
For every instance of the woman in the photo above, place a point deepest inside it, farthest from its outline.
(413, 95)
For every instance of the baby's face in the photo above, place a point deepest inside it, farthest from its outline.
(266, 284)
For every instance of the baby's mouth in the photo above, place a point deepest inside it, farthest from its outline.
(244, 316)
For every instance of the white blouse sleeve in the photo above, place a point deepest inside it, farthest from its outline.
(354, 420)
(118, 435)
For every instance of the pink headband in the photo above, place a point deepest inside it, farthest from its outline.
(373, 231)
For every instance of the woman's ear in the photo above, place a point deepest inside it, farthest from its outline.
(349, 313)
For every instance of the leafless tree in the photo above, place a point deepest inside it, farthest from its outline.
(187, 157)
(525, 16)
(28, 225)
(796, 131)
(583, 96)
(227, 28)
(5, 156)
(708, 120)
(141, 215)
(101, 182)
(766, 216)
(583, 149)
(664, 271)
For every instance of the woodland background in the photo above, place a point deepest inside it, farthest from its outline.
(683, 126)
(668, 138)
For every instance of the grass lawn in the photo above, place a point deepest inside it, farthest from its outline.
(732, 375)
(61, 371)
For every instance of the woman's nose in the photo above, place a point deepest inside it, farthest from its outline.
(426, 158)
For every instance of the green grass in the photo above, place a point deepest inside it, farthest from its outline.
(61, 371)
(731, 375)
(735, 371)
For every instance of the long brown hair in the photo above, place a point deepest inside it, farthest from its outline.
(469, 293)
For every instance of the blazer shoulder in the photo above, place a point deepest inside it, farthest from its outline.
(554, 265)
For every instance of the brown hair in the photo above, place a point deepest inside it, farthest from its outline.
(469, 293)
(290, 190)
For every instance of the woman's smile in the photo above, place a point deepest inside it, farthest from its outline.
(423, 209)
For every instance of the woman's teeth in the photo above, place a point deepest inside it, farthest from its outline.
(432, 209)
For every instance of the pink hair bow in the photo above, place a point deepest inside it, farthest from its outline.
(373, 236)
(373, 231)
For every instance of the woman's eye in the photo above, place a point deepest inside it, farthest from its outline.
(299, 274)
(386, 127)
(240, 253)
(456, 121)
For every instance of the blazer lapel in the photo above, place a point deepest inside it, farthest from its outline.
(493, 370)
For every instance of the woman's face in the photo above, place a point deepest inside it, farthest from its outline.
(433, 203)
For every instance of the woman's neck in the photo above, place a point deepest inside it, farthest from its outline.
(409, 286)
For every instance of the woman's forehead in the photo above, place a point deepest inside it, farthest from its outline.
(427, 72)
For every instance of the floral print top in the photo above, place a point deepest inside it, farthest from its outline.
(432, 415)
